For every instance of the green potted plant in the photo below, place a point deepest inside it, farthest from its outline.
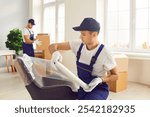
(14, 40)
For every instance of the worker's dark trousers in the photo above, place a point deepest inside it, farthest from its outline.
(28, 49)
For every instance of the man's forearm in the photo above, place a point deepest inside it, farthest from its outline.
(112, 77)
(59, 46)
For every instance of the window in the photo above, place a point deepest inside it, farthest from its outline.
(61, 22)
(50, 21)
(54, 19)
(142, 30)
(118, 23)
(128, 25)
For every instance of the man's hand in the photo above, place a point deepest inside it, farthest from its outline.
(53, 48)
(93, 84)
(56, 57)
(37, 42)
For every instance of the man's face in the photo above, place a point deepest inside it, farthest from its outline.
(30, 25)
(88, 37)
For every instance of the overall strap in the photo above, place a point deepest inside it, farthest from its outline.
(30, 31)
(94, 58)
(79, 52)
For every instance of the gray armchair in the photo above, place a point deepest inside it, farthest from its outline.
(42, 82)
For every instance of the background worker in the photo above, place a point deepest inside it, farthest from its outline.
(28, 39)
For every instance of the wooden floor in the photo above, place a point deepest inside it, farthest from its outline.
(12, 88)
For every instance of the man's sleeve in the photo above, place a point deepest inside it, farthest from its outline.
(25, 32)
(109, 62)
(75, 45)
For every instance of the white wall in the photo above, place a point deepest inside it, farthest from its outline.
(76, 11)
(139, 71)
(13, 14)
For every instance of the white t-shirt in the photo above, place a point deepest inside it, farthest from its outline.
(104, 62)
(27, 31)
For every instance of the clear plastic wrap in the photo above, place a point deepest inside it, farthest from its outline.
(34, 69)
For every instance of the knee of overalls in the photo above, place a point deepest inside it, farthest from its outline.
(96, 95)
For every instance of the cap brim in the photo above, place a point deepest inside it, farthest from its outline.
(32, 23)
(78, 28)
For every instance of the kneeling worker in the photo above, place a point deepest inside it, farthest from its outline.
(93, 60)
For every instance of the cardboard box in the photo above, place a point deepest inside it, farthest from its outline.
(39, 53)
(120, 84)
(122, 62)
(45, 39)
(122, 68)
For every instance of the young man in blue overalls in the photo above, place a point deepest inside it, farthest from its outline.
(28, 39)
(93, 60)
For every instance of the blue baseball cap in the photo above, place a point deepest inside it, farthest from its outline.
(88, 24)
(31, 21)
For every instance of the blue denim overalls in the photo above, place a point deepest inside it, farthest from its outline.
(28, 48)
(85, 74)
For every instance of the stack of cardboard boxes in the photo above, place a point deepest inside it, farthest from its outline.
(122, 68)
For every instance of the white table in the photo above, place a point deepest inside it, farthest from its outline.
(8, 53)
